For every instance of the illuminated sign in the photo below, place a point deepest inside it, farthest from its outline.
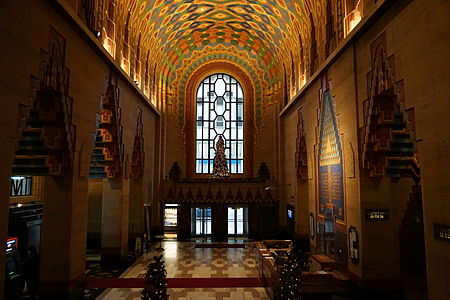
(377, 214)
(21, 186)
(11, 245)
(442, 232)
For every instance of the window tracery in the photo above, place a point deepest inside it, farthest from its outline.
(219, 113)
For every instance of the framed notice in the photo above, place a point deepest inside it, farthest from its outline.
(377, 214)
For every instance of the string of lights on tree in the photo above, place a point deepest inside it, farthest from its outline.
(220, 167)
(289, 287)
(155, 287)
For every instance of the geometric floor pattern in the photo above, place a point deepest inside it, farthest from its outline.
(94, 270)
(183, 260)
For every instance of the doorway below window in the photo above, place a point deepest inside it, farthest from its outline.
(237, 220)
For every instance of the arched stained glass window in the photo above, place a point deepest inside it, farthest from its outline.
(219, 111)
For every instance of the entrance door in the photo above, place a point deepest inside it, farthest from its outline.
(237, 220)
(201, 221)
(170, 219)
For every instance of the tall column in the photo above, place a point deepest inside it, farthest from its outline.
(115, 217)
(63, 237)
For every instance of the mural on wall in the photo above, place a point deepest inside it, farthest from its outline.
(331, 186)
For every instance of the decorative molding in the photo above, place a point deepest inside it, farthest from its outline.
(47, 136)
(387, 135)
(301, 155)
(108, 153)
(138, 156)
(216, 192)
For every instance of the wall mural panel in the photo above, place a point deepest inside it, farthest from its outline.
(331, 186)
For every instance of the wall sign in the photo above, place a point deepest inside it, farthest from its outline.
(377, 214)
(442, 232)
(353, 244)
(21, 186)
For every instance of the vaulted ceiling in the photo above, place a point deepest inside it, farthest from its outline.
(263, 37)
(265, 30)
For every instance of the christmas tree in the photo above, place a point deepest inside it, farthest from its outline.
(289, 287)
(155, 281)
(220, 169)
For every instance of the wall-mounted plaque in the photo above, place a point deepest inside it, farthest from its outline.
(353, 244)
(311, 225)
(377, 214)
(442, 232)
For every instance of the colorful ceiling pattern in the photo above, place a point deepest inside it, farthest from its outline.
(259, 35)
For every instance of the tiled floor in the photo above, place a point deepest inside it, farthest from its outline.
(94, 270)
(183, 260)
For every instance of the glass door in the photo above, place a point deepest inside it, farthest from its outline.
(201, 221)
(170, 218)
(237, 220)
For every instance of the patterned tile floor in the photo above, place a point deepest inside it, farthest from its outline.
(94, 270)
(183, 260)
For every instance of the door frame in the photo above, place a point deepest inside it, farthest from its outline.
(203, 221)
(244, 221)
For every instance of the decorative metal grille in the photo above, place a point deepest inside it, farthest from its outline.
(220, 111)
